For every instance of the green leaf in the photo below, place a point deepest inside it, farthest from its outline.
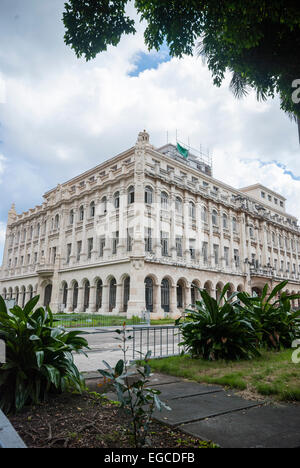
(39, 358)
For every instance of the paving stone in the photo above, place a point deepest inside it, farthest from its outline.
(161, 379)
(185, 389)
(193, 408)
(266, 427)
(8, 436)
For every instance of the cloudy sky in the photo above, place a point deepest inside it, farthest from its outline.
(60, 116)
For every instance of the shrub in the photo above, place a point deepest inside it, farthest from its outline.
(39, 357)
(133, 392)
(275, 324)
(218, 329)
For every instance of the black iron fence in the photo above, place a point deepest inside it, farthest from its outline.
(162, 341)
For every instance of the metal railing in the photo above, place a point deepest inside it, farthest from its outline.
(162, 341)
(86, 320)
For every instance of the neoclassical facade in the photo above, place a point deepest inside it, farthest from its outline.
(144, 230)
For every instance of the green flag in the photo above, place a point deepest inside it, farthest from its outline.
(184, 152)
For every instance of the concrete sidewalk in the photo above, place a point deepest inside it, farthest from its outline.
(212, 413)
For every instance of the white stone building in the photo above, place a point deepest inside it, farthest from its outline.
(140, 230)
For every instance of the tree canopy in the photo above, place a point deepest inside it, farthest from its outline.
(257, 40)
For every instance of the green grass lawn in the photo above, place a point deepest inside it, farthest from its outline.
(94, 320)
(272, 374)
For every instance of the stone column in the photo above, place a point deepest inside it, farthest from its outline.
(122, 247)
(199, 237)
(173, 300)
(83, 255)
(136, 303)
(69, 305)
(231, 243)
(92, 302)
(119, 296)
(186, 229)
(80, 302)
(105, 299)
(157, 226)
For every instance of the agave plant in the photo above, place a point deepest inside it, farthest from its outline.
(218, 329)
(275, 323)
(39, 356)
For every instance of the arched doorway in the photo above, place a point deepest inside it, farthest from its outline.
(99, 288)
(165, 295)
(179, 295)
(256, 291)
(17, 296)
(65, 295)
(126, 293)
(75, 296)
(48, 293)
(112, 294)
(86, 299)
(23, 292)
(149, 294)
(193, 294)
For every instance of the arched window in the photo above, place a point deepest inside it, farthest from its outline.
(30, 291)
(56, 222)
(117, 200)
(126, 293)
(130, 195)
(99, 289)
(214, 218)
(71, 217)
(225, 221)
(204, 214)
(112, 294)
(192, 210)
(38, 228)
(148, 195)
(164, 199)
(178, 205)
(92, 209)
(104, 205)
(81, 213)
(165, 295)
(149, 294)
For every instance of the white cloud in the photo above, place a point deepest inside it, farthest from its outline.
(63, 115)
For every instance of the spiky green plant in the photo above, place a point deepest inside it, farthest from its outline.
(39, 356)
(275, 323)
(218, 329)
